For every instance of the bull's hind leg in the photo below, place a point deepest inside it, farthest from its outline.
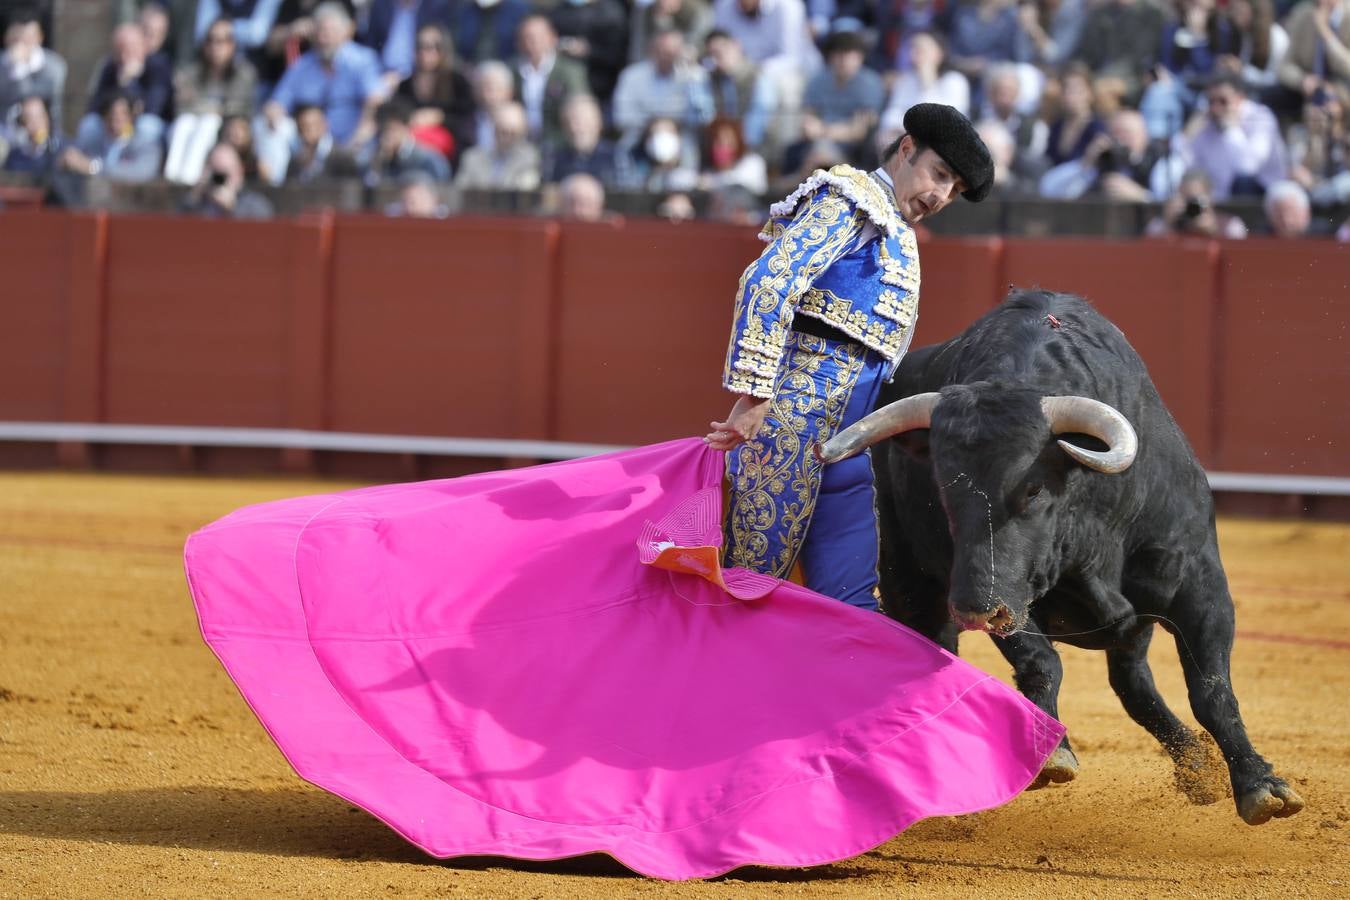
(1132, 680)
(1203, 619)
(1038, 672)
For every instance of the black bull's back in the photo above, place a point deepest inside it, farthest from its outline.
(1107, 557)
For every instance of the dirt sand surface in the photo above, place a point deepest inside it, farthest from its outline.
(130, 766)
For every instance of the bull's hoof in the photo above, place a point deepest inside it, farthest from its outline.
(1062, 766)
(1200, 773)
(1271, 797)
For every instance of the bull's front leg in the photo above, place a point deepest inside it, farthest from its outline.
(1202, 618)
(1038, 671)
(1132, 680)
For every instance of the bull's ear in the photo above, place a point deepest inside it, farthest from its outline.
(914, 443)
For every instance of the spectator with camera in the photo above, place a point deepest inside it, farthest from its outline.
(218, 83)
(1121, 164)
(222, 192)
(1319, 48)
(1190, 212)
(1236, 141)
(27, 69)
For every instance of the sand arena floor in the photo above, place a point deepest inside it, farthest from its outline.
(129, 765)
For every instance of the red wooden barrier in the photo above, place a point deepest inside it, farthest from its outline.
(441, 328)
(1284, 370)
(645, 311)
(1161, 294)
(961, 282)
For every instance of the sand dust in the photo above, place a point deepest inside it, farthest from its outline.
(130, 766)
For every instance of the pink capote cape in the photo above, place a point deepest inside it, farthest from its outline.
(541, 663)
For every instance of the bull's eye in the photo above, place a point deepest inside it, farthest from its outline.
(1033, 490)
(1028, 495)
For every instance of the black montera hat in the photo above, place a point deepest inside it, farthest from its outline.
(952, 137)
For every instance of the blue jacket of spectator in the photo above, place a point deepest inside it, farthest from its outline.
(340, 93)
(252, 19)
(487, 33)
(380, 23)
(153, 90)
(28, 158)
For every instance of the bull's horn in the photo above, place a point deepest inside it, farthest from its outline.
(1087, 416)
(893, 418)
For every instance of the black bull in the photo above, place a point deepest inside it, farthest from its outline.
(987, 522)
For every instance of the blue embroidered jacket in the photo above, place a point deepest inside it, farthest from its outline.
(824, 261)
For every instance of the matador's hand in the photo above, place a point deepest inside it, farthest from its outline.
(743, 423)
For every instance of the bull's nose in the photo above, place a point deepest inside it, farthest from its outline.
(998, 619)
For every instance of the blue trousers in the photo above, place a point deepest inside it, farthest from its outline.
(785, 507)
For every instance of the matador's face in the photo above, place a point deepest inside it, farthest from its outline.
(924, 183)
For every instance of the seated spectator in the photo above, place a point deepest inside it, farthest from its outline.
(545, 80)
(661, 161)
(664, 85)
(983, 33)
(841, 101)
(925, 82)
(418, 198)
(1003, 150)
(582, 148)
(895, 22)
(486, 29)
(769, 31)
(237, 131)
(27, 69)
(337, 74)
(1251, 43)
(396, 155)
(153, 17)
(1190, 212)
(1319, 48)
(728, 163)
(116, 150)
(595, 34)
(492, 89)
(391, 31)
(510, 164)
(146, 81)
(218, 83)
(691, 18)
(676, 208)
(1185, 50)
(1050, 30)
(1076, 125)
(290, 37)
(441, 94)
(33, 145)
(313, 147)
(1288, 212)
(222, 192)
(1121, 164)
(1319, 147)
(581, 197)
(731, 77)
(1120, 39)
(1003, 103)
(252, 19)
(1237, 142)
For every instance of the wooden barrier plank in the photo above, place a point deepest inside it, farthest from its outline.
(1283, 367)
(645, 310)
(36, 252)
(1161, 294)
(198, 321)
(441, 328)
(962, 279)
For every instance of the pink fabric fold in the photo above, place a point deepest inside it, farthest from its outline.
(545, 662)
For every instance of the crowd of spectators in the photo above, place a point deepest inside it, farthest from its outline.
(1181, 103)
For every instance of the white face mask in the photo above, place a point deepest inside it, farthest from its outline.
(663, 147)
(487, 4)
